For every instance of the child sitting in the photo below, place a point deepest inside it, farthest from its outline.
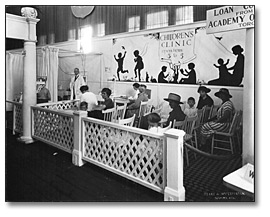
(153, 123)
(83, 106)
(190, 110)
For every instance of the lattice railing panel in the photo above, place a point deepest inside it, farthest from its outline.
(18, 117)
(54, 128)
(60, 105)
(138, 156)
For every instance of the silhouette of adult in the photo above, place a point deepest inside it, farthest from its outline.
(238, 68)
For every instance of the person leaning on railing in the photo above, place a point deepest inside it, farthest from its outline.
(43, 96)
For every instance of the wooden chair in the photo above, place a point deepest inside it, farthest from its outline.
(120, 112)
(168, 127)
(206, 112)
(141, 113)
(179, 124)
(226, 137)
(109, 114)
(239, 130)
(200, 114)
(213, 111)
(127, 121)
(189, 136)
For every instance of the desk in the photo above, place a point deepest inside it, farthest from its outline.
(236, 181)
(121, 100)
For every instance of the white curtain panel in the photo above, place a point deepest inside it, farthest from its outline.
(14, 77)
(47, 65)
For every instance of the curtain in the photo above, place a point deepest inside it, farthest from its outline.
(47, 65)
(14, 77)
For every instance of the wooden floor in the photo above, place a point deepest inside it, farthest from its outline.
(39, 172)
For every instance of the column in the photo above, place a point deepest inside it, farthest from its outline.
(29, 88)
(78, 138)
(174, 190)
(248, 102)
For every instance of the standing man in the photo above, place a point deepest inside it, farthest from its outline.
(76, 82)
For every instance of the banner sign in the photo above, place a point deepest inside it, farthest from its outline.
(177, 47)
(230, 18)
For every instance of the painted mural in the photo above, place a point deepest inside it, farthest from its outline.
(181, 57)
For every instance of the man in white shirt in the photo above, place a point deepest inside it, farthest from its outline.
(76, 82)
(88, 97)
(136, 88)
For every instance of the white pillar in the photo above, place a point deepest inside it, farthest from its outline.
(29, 88)
(175, 191)
(77, 149)
(248, 109)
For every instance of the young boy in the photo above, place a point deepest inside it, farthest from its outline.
(83, 106)
(153, 123)
(190, 109)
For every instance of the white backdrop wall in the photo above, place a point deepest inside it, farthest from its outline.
(161, 91)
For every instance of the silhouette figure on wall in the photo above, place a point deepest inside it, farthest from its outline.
(120, 61)
(191, 79)
(147, 77)
(161, 76)
(238, 68)
(139, 64)
(175, 76)
(224, 75)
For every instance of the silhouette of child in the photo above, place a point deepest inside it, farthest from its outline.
(191, 79)
(139, 64)
(224, 75)
(175, 73)
(120, 61)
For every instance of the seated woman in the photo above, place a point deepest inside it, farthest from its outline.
(221, 122)
(133, 108)
(107, 104)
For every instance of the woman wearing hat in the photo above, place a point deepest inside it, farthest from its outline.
(205, 99)
(221, 122)
(238, 68)
(176, 113)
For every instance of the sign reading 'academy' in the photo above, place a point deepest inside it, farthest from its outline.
(230, 18)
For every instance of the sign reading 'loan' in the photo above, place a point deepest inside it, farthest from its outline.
(230, 18)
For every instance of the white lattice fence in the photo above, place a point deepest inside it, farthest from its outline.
(69, 104)
(17, 116)
(133, 153)
(53, 127)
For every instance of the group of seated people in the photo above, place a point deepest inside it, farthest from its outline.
(220, 122)
(89, 102)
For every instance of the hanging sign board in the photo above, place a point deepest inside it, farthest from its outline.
(230, 18)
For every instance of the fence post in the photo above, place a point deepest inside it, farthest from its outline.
(174, 191)
(77, 150)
